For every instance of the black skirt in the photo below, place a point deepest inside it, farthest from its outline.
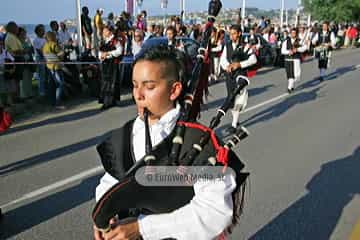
(110, 88)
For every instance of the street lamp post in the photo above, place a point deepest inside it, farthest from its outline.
(139, 5)
(282, 13)
(243, 10)
(182, 9)
(134, 9)
(79, 31)
(297, 16)
(164, 6)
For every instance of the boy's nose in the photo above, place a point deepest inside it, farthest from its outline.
(138, 94)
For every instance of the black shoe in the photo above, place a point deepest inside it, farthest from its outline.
(231, 130)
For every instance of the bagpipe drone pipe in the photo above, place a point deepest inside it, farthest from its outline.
(128, 194)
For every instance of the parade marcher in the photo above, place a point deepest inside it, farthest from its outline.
(236, 59)
(292, 49)
(110, 54)
(213, 44)
(253, 40)
(157, 86)
(217, 50)
(325, 41)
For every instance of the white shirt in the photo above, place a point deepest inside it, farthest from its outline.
(286, 51)
(250, 37)
(39, 43)
(64, 37)
(136, 47)
(208, 213)
(332, 39)
(118, 48)
(224, 63)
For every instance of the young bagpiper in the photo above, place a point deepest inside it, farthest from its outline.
(291, 49)
(237, 58)
(157, 87)
(325, 41)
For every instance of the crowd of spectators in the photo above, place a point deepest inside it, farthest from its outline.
(58, 45)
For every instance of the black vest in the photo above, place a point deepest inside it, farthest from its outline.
(238, 54)
(108, 47)
(324, 38)
(253, 40)
(290, 45)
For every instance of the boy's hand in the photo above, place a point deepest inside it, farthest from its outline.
(129, 231)
(97, 234)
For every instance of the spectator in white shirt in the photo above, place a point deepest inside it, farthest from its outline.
(137, 41)
(38, 44)
(63, 35)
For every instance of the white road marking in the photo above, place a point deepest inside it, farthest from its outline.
(54, 186)
(265, 103)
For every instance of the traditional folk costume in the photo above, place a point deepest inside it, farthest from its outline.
(325, 42)
(244, 54)
(292, 60)
(202, 211)
(254, 41)
(110, 89)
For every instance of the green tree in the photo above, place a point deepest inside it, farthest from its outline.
(334, 10)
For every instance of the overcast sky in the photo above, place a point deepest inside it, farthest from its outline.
(41, 11)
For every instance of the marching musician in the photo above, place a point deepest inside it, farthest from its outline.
(325, 41)
(110, 54)
(237, 58)
(253, 40)
(292, 48)
(157, 86)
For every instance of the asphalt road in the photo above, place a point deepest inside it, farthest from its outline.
(302, 155)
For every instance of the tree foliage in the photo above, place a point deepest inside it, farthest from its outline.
(334, 10)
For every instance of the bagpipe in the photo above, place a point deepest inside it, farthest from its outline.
(322, 52)
(203, 149)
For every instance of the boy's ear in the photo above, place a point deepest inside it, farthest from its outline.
(176, 89)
